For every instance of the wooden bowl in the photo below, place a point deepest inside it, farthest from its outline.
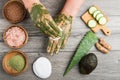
(14, 11)
(7, 68)
(26, 34)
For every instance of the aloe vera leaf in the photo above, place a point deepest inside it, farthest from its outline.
(85, 45)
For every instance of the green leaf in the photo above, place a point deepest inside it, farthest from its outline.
(85, 45)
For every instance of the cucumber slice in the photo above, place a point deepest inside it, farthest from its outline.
(96, 13)
(92, 23)
(99, 16)
(92, 9)
(102, 21)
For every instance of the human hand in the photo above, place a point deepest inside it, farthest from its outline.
(42, 19)
(64, 22)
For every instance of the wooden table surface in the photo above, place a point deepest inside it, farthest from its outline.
(108, 64)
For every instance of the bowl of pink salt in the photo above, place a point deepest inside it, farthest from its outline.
(15, 36)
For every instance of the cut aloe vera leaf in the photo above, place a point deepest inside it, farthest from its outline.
(92, 23)
(85, 45)
(99, 16)
(102, 21)
(95, 13)
(92, 9)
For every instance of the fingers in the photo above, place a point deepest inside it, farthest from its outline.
(57, 49)
(64, 41)
(44, 30)
(67, 32)
(58, 46)
(57, 29)
(50, 30)
(50, 43)
(44, 21)
(65, 24)
(53, 47)
(53, 43)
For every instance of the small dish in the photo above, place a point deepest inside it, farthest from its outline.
(14, 11)
(15, 34)
(10, 70)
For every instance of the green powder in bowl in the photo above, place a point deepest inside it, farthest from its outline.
(17, 62)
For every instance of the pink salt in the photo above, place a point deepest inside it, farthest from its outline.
(15, 36)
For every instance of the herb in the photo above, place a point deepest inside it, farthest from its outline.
(85, 45)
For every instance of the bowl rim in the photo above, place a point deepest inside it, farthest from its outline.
(26, 36)
(4, 61)
(5, 16)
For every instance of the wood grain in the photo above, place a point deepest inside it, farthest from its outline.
(108, 65)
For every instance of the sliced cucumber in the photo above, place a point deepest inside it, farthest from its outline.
(99, 16)
(92, 23)
(96, 13)
(102, 21)
(92, 9)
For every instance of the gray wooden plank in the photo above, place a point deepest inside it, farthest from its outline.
(54, 6)
(108, 67)
(78, 25)
(40, 43)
